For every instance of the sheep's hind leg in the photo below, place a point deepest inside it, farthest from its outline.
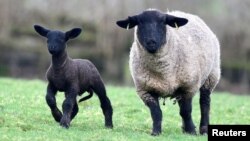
(151, 100)
(107, 110)
(67, 107)
(205, 108)
(51, 101)
(185, 105)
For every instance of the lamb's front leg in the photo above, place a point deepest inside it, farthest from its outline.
(74, 111)
(67, 107)
(51, 101)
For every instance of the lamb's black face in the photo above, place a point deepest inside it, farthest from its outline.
(56, 40)
(151, 27)
(151, 30)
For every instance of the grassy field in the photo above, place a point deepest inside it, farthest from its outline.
(24, 115)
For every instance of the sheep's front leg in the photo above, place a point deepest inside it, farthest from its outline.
(67, 107)
(205, 108)
(185, 105)
(152, 102)
(51, 101)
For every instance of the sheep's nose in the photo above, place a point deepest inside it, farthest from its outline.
(52, 47)
(151, 43)
(151, 46)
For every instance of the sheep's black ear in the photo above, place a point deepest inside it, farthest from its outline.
(128, 23)
(175, 21)
(41, 30)
(73, 33)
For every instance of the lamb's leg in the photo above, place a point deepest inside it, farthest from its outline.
(204, 107)
(107, 110)
(51, 101)
(67, 107)
(153, 104)
(185, 105)
(75, 111)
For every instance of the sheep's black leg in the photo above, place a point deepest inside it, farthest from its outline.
(67, 107)
(185, 105)
(51, 101)
(204, 107)
(107, 110)
(75, 111)
(153, 104)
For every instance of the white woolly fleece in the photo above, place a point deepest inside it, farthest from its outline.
(190, 59)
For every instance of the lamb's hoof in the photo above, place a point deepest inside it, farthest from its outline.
(155, 133)
(64, 123)
(57, 115)
(203, 130)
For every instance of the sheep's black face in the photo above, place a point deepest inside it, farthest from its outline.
(151, 30)
(151, 27)
(56, 40)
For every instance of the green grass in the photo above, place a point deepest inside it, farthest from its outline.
(24, 115)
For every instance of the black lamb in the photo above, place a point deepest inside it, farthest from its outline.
(71, 76)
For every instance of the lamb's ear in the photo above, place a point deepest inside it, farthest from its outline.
(128, 23)
(73, 33)
(41, 30)
(175, 21)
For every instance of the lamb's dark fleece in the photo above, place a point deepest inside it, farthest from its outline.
(72, 76)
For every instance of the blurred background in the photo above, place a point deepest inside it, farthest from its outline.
(23, 54)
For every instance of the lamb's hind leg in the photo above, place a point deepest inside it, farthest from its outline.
(107, 110)
(51, 101)
(151, 100)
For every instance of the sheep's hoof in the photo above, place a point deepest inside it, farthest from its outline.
(190, 131)
(109, 126)
(155, 133)
(203, 130)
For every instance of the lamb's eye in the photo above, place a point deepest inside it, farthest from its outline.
(59, 40)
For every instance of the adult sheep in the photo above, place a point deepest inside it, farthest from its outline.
(174, 55)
